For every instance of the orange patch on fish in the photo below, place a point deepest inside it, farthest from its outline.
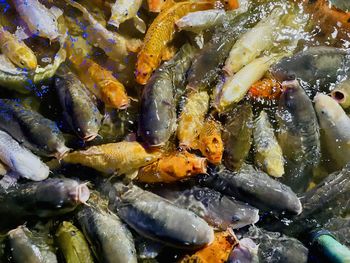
(172, 168)
(266, 88)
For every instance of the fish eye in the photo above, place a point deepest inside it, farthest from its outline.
(323, 112)
(22, 63)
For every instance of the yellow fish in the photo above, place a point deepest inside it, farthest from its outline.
(113, 158)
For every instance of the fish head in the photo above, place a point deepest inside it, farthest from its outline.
(213, 148)
(144, 69)
(245, 252)
(274, 167)
(327, 109)
(115, 97)
(23, 57)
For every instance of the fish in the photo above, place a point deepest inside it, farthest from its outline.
(159, 97)
(220, 211)
(218, 251)
(123, 10)
(237, 136)
(341, 94)
(25, 247)
(159, 34)
(110, 239)
(276, 247)
(48, 198)
(192, 117)
(316, 67)
(254, 187)
(20, 160)
(335, 125)
(73, 244)
(268, 153)
(40, 20)
(113, 158)
(104, 85)
(156, 218)
(155, 5)
(265, 89)
(17, 51)
(113, 44)
(236, 87)
(79, 107)
(32, 130)
(173, 167)
(298, 136)
(251, 44)
(210, 142)
(245, 252)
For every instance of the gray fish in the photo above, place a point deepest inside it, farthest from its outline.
(20, 161)
(159, 98)
(298, 136)
(317, 67)
(254, 187)
(42, 199)
(218, 210)
(275, 247)
(79, 108)
(237, 136)
(110, 239)
(335, 126)
(158, 219)
(26, 247)
(34, 131)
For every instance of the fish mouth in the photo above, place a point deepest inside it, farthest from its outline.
(61, 152)
(338, 96)
(81, 193)
(90, 137)
(124, 106)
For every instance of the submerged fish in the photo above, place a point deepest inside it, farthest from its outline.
(254, 187)
(40, 20)
(156, 218)
(27, 247)
(80, 109)
(316, 66)
(298, 135)
(335, 125)
(245, 252)
(73, 244)
(237, 136)
(341, 94)
(275, 247)
(20, 160)
(158, 101)
(268, 153)
(155, 5)
(43, 199)
(191, 119)
(110, 239)
(218, 210)
(172, 168)
(121, 158)
(31, 129)
(265, 89)
(17, 51)
(123, 10)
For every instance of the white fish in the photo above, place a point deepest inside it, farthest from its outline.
(123, 10)
(40, 20)
(336, 128)
(20, 160)
(253, 43)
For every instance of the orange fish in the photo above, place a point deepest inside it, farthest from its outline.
(218, 251)
(210, 142)
(159, 35)
(173, 168)
(266, 88)
(107, 87)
